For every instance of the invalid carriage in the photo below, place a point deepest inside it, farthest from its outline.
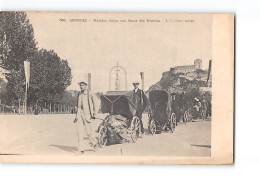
(121, 124)
(161, 116)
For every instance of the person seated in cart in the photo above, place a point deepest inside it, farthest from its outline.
(142, 105)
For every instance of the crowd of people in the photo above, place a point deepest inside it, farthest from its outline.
(197, 108)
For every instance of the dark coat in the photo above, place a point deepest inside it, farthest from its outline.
(143, 100)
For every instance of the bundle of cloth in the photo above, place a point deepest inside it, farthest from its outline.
(117, 126)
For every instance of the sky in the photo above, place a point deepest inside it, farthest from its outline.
(149, 47)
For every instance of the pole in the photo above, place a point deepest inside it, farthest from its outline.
(23, 107)
(25, 100)
(19, 106)
(0, 95)
(89, 81)
(27, 81)
(209, 70)
(142, 78)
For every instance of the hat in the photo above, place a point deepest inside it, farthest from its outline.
(82, 82)
(135, 82)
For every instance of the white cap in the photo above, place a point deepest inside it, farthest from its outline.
(83, 82)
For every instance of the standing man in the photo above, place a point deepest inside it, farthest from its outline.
(204, 107)
(175, 106)
(142, 105)
(85, 115)
(197, 107)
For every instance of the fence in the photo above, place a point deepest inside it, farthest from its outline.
(51, 109)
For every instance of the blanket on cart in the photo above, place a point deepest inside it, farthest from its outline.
(117, 126)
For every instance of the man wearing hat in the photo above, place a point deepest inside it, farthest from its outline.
(85, 115)
(197, 107)
(142, 104)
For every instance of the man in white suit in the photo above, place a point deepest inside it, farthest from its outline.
(85, 115)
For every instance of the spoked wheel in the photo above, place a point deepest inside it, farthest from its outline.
(135, 128)
(203, 114)
(189, 115)
(102, 136)
(152, 126)
(173, 122)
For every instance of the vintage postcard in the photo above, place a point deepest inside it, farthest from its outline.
(129, 88)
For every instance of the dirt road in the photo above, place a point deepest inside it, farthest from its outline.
(57, 134)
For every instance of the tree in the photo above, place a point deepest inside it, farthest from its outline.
(15, 87)
(49, 76)
(17, 42)
(69, 98)
(2, 91)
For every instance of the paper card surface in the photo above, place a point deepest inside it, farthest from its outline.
(131, 88)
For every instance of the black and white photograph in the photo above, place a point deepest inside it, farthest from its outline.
(125, 85)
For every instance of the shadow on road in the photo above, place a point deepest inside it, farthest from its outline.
(206, 146)
(66, 148)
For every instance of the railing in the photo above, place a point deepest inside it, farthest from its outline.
(59, 109)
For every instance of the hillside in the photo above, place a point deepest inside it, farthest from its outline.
(180, 82)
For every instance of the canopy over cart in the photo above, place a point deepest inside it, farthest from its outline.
(122, 123)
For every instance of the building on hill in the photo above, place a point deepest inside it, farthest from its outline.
(198, 64)
(187, 68)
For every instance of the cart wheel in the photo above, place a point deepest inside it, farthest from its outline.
(152, 126)
(135, 128)
(173, 122)
(189, 116)
(102, 136)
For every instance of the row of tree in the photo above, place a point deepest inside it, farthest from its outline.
(49, 76)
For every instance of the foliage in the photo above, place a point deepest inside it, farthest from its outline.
(69, 98)
(167, 81)
(3, 92)
(178, 83)
(49, 76)
(17, 42)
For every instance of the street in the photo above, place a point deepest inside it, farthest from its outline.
(56, 134)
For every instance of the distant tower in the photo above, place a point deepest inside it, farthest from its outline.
(198, 64)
